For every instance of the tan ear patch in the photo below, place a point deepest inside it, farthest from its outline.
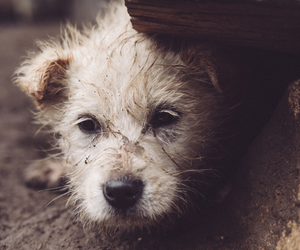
(43, 77)
(52, 75)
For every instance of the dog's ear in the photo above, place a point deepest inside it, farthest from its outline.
(43, 77)
(198, 59)
(222, 64)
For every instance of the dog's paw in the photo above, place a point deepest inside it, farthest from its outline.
(45, 174)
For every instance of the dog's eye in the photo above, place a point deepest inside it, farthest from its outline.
(164, 118)
(89, 126)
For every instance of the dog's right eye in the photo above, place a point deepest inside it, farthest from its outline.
(164, 118)
(89, 126)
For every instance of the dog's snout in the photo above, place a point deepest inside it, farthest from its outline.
(123, 193)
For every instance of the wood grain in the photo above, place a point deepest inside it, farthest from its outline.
(255, 24)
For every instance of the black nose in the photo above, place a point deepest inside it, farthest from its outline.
(123, 193)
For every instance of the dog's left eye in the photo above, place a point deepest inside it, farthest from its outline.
(164, 118)
(89, 126)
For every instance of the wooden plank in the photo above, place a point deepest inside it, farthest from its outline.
(255, 24)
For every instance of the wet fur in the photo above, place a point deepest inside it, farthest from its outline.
(122, 79)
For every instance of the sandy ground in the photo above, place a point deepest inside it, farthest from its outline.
(261, 212)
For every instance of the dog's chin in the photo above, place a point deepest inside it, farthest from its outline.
(129, 222)
(126, 224)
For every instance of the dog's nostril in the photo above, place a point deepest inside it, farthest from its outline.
(123, 193)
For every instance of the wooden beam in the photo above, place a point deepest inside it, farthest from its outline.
(254, 24)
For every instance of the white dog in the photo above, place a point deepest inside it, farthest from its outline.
(139, 124)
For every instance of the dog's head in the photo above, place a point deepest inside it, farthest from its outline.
(138, 123)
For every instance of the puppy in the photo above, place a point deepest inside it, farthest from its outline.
(142, 126)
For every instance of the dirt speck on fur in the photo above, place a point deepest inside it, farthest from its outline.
(261, 212)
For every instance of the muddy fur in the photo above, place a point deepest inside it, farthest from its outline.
(124, 106)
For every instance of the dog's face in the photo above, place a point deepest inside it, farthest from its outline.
(137, 124)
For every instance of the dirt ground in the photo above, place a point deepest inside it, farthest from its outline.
(261, 212)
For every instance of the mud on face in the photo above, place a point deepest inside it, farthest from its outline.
(138, 124)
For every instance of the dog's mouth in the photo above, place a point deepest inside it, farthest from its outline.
(132, 213)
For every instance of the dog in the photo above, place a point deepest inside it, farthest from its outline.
(141, 125)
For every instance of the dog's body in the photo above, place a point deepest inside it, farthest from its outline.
(140, 127)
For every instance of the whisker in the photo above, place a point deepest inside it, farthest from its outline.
(171, 158)
(60, 188)
(56, 198)
(70, 198)
(198, 171)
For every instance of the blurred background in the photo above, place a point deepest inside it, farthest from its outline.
(28, 11)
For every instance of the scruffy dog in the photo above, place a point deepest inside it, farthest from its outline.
(141, 126)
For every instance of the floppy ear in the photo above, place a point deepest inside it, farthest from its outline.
(198, 59)
(43, 76)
